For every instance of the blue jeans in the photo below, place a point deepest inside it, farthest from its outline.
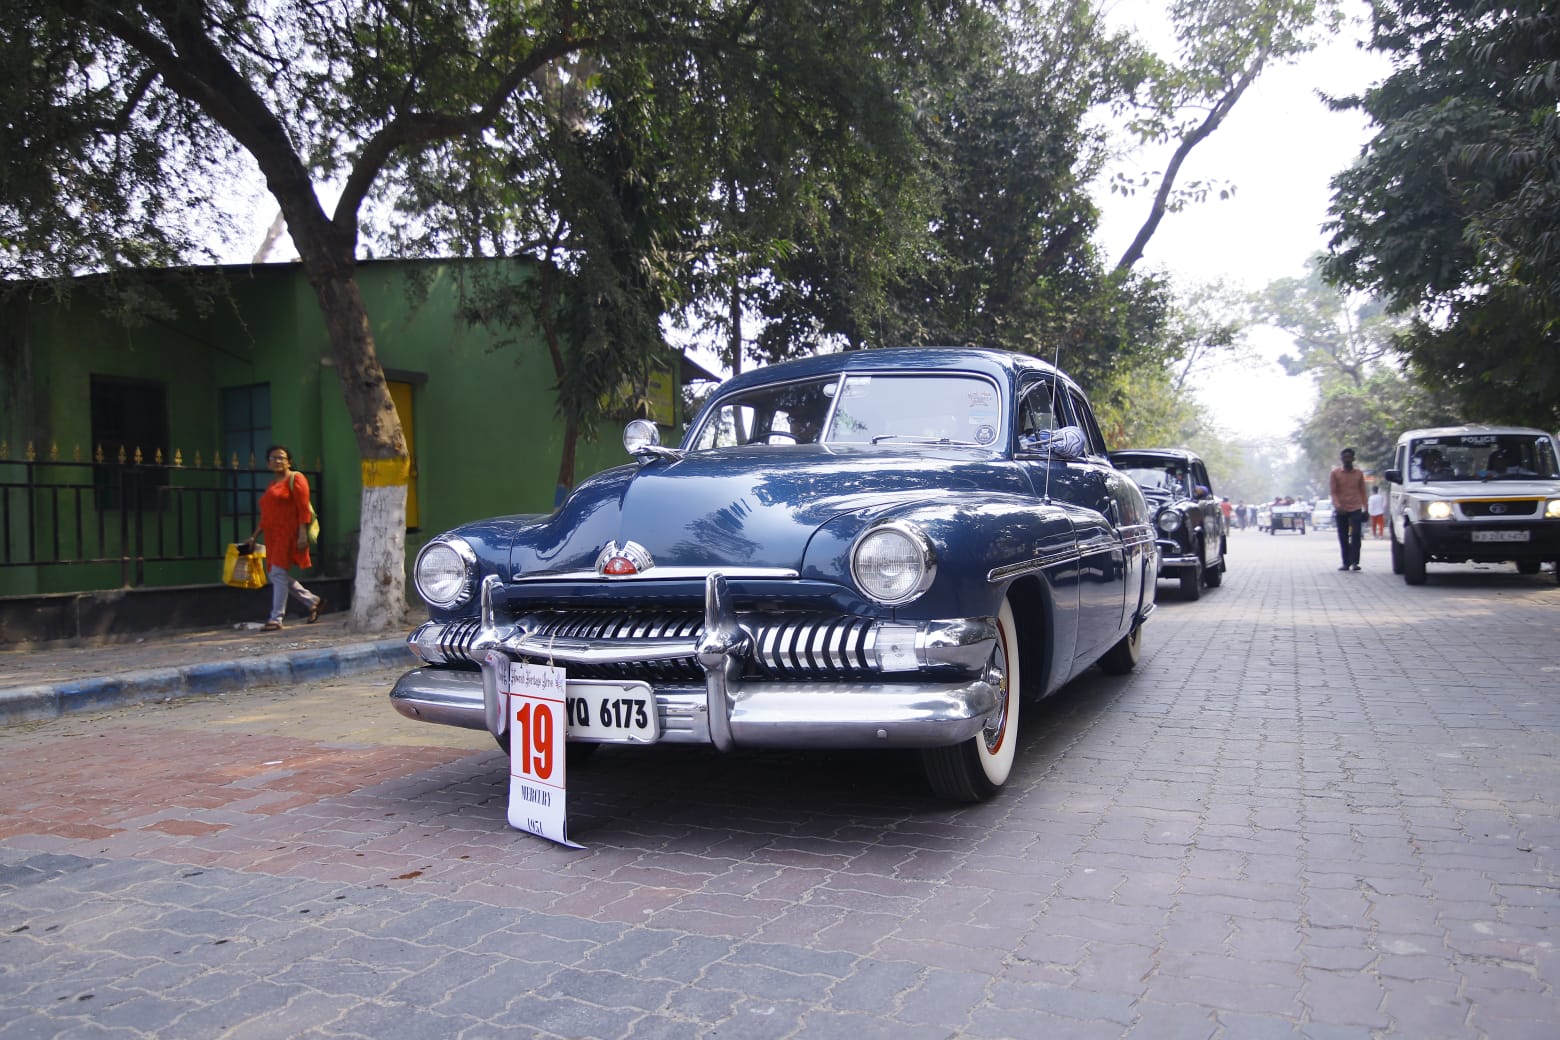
(1351, 527)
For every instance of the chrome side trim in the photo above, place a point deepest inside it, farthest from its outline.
(1013, 570)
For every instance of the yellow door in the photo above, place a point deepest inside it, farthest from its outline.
(401, 394)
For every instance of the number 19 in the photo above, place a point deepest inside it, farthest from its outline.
(534, 729)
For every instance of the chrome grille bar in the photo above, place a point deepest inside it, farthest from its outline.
(837, 647)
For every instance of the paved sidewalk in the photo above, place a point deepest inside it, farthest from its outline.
(47, 683)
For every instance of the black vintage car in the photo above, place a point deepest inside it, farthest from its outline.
(1188, 521)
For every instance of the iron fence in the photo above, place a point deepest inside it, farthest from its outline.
(129, 511)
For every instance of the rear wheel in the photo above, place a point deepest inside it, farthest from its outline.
(1413, 558)
(974, 770)
(1123, 657)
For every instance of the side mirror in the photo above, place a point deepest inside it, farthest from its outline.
(1064, 442)
(639, 435)
(1394, 476)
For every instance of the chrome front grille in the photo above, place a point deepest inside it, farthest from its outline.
(786, 646)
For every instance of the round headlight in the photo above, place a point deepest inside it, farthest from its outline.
(1168, 521)
(445, 569)
(1552, 510)
(893, 563)
(1438, 511)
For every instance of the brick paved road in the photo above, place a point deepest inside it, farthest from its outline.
(1325, 806)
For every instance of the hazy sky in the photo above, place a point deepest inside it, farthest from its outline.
(1279, 147)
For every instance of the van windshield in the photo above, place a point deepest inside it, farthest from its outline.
(1482, 456)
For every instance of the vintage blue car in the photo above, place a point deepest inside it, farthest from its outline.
(870, 549)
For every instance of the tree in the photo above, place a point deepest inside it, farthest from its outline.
(1007, 259)
(1224, 45)
(1345, 342)
(123, 120)
(1452, 213)
(1336, 337)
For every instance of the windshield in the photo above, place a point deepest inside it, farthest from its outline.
(1482, 456)
(858, 409)
(1161, 478)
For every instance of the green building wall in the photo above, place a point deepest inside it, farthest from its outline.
(487, 437)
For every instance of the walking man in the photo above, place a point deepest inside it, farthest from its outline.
(1347, 487)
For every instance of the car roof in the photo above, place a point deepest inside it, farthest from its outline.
(1456, 431)
(1000, 364)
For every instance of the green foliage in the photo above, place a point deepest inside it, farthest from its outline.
(1369, 418)
(1453, 212)
(1336, 338)
(1138, 407)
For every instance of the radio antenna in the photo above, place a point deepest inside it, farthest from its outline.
(1050, 437)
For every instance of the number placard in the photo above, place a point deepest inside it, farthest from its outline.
(538, 728)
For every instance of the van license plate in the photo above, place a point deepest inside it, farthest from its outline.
(1501, 536)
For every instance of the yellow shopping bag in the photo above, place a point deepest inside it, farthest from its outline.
(244, 566)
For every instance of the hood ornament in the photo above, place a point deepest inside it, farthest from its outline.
(625, 561)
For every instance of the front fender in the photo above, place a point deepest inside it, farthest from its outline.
(982, 543)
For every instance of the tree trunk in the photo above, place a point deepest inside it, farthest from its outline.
(571, 437)
(379, 583)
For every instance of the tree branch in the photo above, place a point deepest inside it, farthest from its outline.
(1210, 123)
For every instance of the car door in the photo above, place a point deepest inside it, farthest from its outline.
(1103, 547)
(1212, 514)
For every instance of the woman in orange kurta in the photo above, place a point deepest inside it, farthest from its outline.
(285, 514)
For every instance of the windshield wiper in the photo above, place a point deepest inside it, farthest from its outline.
(909, 439)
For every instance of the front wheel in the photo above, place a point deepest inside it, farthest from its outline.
(1527, 566)
(974, 770)
(1192, 579)
(1123, 657)
(1397, 554)
(1413, 558)
(1213, 577)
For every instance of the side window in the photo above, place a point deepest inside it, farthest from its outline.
(1083, 417)
(1200, 476)
(1035, 413)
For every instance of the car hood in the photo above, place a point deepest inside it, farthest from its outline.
(1531, 487)
(754, 507)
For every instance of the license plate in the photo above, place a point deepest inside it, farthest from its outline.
(1502, 536)
(612, 712)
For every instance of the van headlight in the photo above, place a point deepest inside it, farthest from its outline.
(446, 572)
(893, 562)
(1438, 510)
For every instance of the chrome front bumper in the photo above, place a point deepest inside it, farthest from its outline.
(725, 711)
